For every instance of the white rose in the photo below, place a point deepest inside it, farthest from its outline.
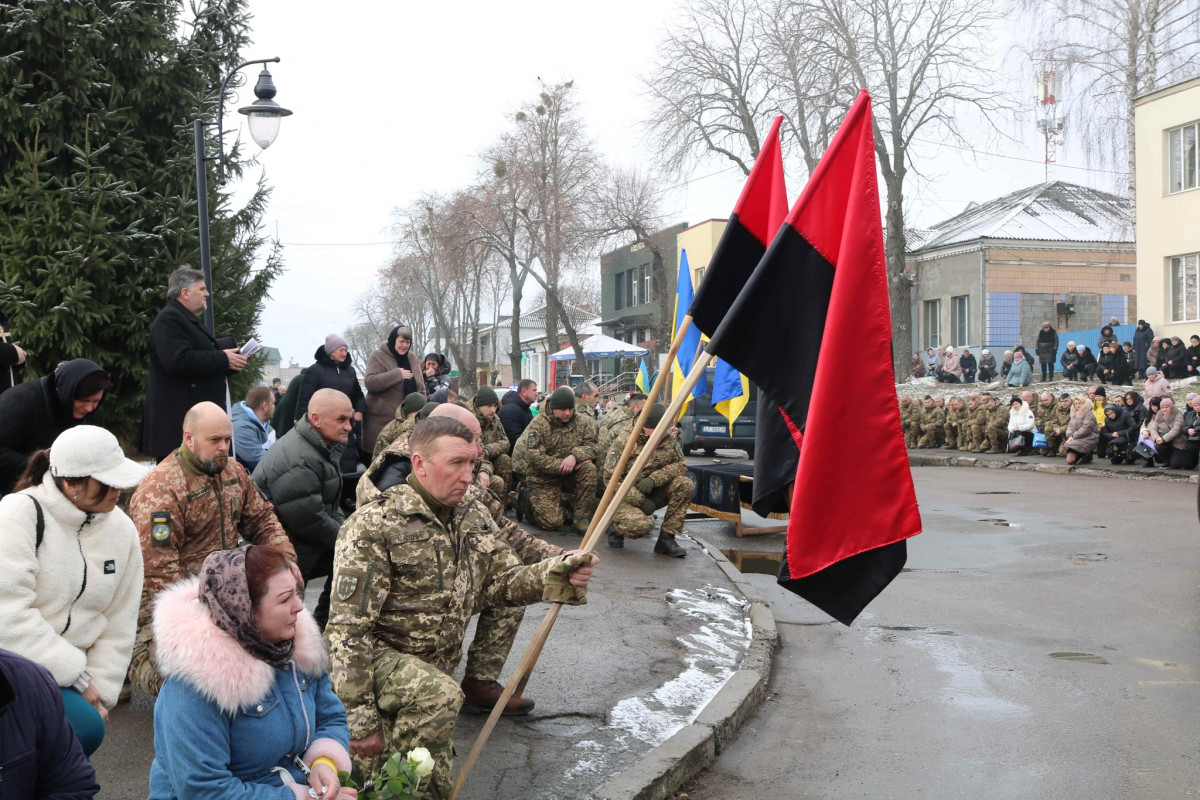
(421, 760)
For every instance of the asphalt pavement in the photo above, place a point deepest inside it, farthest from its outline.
(656, 640)
(1040, 644)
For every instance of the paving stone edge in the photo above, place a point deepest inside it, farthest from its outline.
(660, 772)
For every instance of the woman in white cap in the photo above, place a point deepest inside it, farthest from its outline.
(71, 572)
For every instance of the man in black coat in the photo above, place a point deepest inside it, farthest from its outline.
(514, 413)
(186, 364)
(34, 413)
(38, 748)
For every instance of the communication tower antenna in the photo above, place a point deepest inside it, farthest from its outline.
(1047, 88)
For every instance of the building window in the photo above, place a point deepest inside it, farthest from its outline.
(643, 284)
(630, 301)
(933, 323)
(699, 277)
(959, 318)
(618, 291)
(1183, 288)
(1114, 305)
(485, 348)
(1003, 319)
(1182, 162)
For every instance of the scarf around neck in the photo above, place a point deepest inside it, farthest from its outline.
(226, 592)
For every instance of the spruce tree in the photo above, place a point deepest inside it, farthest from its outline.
(97, 182)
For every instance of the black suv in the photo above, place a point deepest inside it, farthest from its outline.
(702, 428)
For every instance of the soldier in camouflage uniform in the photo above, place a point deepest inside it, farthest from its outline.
(494, 440)
(956, 424)
(195, 501)
(1041, 412)
(406, 417)
(496, 629)
(930, 424)
(997, 426)
(1056, 427)
(976, 425)
(663, 482)
(906, 422)
(411, 568)
(618, 422)
(561, 458)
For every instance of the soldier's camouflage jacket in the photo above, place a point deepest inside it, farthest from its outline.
(495, 440)
(393, 431)
(548, 442)
(182, 515)
(529, 548)
(612, 425)
(405, 580)
(998, 416)
(665, 463)
(959, 416)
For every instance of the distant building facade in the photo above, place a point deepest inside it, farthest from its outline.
(1167, 124)
(989, 277)
(633, 297)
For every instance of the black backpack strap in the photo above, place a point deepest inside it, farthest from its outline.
(41, 523)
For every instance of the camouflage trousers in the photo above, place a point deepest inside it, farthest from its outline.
(910, 435)
(633, 523)
(546, 497)
(997, 437)
(417, 703)
(931, 436)
(142, 672)
(953, 434)
(1056, 443)
(495, 632)
(502, 475)
(978, 437)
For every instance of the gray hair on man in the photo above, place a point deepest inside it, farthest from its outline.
(183, 277)
(585, 389)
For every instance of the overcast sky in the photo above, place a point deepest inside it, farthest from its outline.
(393, 99)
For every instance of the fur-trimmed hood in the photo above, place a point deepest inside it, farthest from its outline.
(192, 648)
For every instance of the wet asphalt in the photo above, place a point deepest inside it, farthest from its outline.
(617, 676)
(1042, 644)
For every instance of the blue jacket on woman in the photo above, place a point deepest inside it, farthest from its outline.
(226, 723)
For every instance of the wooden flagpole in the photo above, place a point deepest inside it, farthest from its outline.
(613, 495)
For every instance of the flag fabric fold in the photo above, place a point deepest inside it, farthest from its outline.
(811, 327)
(689, 347)
(730, 391)
(643, 378)
(758, 214)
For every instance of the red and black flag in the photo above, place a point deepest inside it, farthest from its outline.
(760, 211)
(812, 327)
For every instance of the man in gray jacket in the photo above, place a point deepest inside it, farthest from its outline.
(301, 476)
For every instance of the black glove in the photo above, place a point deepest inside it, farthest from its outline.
(645, 485)
(648, 507)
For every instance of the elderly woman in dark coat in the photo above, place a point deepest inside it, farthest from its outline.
(333, 370)
(1142, 337)
(1176, 359)
(1118, 434)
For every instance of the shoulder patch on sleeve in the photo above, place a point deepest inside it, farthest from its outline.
(160, 528)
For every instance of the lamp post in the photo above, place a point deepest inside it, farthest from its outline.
(264, 116)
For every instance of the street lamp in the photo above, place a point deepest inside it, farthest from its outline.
(264, 115)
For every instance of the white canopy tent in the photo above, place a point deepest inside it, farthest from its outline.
(601, 346)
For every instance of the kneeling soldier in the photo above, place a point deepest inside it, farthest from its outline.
(560, 459)
(663, 481)
(410, 569)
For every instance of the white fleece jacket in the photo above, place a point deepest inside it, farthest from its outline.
(72, 605)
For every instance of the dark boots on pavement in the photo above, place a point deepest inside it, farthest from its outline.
(480, 698)
(615, 539)
(666, 546)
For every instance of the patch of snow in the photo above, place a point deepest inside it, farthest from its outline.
(713, 652)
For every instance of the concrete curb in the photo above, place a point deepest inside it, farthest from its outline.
(659, 773)
(1055, 467)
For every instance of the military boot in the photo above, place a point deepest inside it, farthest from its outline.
(479, 697)
(666, 546)
(615, 539)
